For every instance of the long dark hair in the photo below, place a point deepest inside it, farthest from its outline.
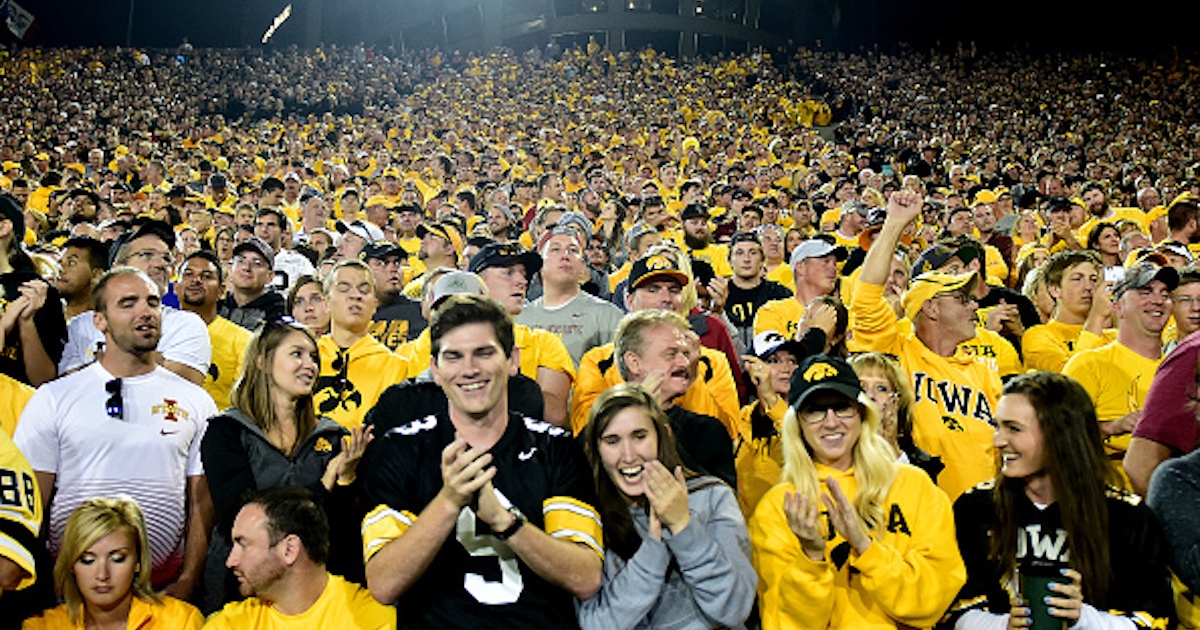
(252, 391)
(1079, 471)
(619, 533)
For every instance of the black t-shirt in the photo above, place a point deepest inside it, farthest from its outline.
(268, 307)
(742, 304)
(703, 444)
(49, 320)
(540, 468)
(1139, 584)
(398, 322)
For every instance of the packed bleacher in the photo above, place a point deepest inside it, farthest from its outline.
(789, 339)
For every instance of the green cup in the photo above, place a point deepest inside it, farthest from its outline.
(1034, 591)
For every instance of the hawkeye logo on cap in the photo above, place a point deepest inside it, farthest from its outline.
(654, 263)
(819, 372)
(773, 337)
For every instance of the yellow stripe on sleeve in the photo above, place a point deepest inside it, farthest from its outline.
(383, 525)
(573, 520)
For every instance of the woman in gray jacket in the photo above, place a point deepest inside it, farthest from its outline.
(272, 437)
(677, 553)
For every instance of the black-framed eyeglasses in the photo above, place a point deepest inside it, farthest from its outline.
(115, 406)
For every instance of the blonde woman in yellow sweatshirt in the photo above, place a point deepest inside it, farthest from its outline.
(849, 538)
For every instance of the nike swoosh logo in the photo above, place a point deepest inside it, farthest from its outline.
(166, 432)
(527, 454)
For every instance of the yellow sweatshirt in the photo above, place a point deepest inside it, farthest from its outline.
(952, 418)
(907, 577)
(351, 380)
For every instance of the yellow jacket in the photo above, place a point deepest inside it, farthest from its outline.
(758, 456)
(713, 393)
(1049, 346)
(907, 577)
(345, 392)
(171, 614)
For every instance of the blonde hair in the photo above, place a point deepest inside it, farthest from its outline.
(875, 466)
(92, 520)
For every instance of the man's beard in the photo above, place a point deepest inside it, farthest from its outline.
(696, 242)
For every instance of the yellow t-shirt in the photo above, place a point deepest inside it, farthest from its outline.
(538, 348)
(342, 605)
(782, 316)
(229, 345)
(782, 273)
(1117, 379)
(15, 394)
(345, 393)
(717, 256)
(1048, 347)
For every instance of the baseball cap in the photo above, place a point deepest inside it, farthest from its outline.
(258, 246)
(1178, 249)
(381, 249)
(454, 283)
(928, 285)
(655, 266)
(819, 373)
(985, 196)
(767, 342)
(638, 230)
(692, 211)
(817, 248)
(505, 254)
(1143, 274)
(217, 180)
(445, 230)
(746, 237)
(940, 253)
(854, 206)
(365, 230)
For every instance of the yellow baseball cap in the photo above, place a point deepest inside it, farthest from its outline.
(928, 285)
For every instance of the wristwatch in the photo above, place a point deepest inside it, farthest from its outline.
(518, 522)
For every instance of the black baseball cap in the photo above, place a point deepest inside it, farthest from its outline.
(505, 254)
(822, 372)
(655, 266)
(381, 249)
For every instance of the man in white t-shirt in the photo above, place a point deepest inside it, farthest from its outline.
(184, 347)
(125, 425)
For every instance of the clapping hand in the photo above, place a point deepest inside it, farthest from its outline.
(668, 497)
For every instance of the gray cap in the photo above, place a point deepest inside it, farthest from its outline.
(454, 283)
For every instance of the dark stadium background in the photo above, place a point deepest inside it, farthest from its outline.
(1042, 24)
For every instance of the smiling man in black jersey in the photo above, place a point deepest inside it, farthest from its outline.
(514, 493)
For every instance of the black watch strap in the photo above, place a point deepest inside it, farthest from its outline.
(518, 522)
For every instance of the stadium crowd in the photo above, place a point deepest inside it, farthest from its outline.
(783, 340)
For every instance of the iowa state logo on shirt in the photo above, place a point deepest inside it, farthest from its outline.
(170, 411)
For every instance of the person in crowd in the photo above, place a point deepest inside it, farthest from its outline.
(272, 436)
(31, 313)
(676, 546)
(1105, 240)
(126, 425)
(954, 392)
(814, 267)
(24, 586)
(850, 537)
(288, 265)
(748, 289)
(478, 491)
(1118, 375)
(583, 321)
(398, 318)
(251, 300)
(103, 574)
(199, 289)
(1055, 511)
(282, 542)
(656, 349)
(355, 367)
(1081, 314)
(83, 261)
(886, 384)
(306, 304)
